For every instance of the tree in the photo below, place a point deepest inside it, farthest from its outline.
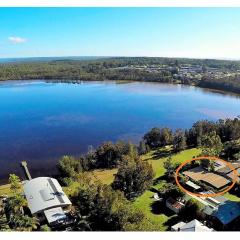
(166, 137)
(143, 148)
(107, 156)
(15, 183)
(45, 228)
(200, 128)
(153, 138)
(191, 210)
(212, 144)
(157, 137)
(169, 167)
(170, 190)
(21, 222)
(179, 141)
(104, 209)
(134, 176)
(69, 167)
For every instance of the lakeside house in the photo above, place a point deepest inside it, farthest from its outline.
(193, 226)
(214, 180)
(46, 200)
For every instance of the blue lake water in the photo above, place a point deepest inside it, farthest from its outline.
(40, 121)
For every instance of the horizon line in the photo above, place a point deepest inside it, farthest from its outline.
(124, 56)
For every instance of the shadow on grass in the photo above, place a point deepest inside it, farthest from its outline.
(159, 207)
(172, 221)
(161, 153)
(158, 180)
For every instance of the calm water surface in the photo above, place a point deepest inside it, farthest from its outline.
(40, 122)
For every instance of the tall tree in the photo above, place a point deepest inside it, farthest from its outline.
(15, 183)
(211, 143)
(106, 210)
(134, 176)
(179, 141)
(169, 167)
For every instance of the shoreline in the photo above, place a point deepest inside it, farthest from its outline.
(77, 81)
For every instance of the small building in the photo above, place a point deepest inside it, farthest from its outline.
(46, 199)
(193, 226)
(175, 205)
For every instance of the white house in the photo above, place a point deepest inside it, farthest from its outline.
(193, 226)
(46, 199)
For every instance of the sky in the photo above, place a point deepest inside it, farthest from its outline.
(160, 32)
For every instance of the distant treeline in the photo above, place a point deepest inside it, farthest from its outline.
(115, 69)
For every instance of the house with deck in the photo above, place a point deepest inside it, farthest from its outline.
(46, 200)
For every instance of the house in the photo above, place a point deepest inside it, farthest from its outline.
(174, 205)
(226, 212)
(193, 226)
(229, 173)
(209, 178)
(46, 199)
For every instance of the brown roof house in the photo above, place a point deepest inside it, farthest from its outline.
(212, 179)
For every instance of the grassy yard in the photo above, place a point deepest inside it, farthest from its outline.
(157, 160)
(231, 197)
(105, 176)
(5, 189)
(153, 157)
(146, 202)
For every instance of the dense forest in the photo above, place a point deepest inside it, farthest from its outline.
(215, 74)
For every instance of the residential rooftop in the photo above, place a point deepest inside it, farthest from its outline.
(199, 174)
(193, 226)
(43, 193)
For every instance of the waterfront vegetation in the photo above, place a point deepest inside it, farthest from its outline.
(112, 187)
(215, 74)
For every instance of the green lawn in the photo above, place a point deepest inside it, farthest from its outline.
(145, 201)
(5, 189)
(107, 176)
(157, 162)
(231, 197)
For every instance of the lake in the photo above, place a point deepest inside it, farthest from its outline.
(40, 121)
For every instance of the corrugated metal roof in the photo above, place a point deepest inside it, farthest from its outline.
(44, 193)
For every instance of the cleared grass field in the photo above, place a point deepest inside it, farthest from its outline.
(231, 197)
(5, 189)
(145, 202)
(105, 176)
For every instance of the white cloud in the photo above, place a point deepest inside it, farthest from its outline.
(16, 40)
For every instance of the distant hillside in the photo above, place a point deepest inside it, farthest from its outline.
(209, 73)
